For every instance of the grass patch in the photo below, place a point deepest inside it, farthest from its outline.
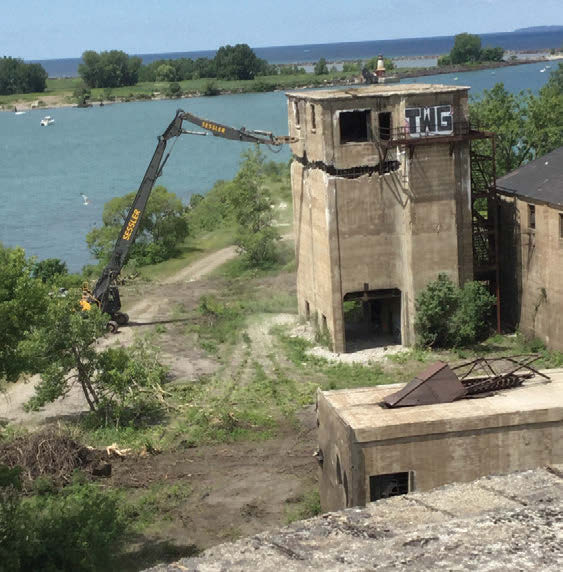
(156, 505)
(304, 506)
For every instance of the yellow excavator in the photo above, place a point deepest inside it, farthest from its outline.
(105, 293)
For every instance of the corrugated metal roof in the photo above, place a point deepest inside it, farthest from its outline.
(540, 180)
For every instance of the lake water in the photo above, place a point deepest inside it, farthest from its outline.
(103, 152)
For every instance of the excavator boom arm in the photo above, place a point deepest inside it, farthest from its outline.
(130, 228)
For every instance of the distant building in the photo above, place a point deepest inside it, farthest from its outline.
(382, 202)
(531, 246)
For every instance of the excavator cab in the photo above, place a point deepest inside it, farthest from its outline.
(111, 305)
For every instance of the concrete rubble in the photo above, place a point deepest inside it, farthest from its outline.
(511, 522)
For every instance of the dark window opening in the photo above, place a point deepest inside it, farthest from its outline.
(372, 318)
(385, 126)
(560, 225)
(345, 485)
(531, 216)
(389, 485)
(307, 310)
(313, 118)
(324, 324)
(296, 111)
(354, 126)
(338, 471)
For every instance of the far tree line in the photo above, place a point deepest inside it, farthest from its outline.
(467, 50)
(19, 77)
(115, 68)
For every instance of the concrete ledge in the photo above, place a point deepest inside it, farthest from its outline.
(510, 522)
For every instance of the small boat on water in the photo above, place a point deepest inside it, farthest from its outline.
(47, 120)
(542, 70)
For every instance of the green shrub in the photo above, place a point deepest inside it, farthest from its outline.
(81, 528)
(210, 88)
(448, 316)
(173, 90)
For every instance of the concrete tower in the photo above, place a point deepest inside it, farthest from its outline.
(382, 204)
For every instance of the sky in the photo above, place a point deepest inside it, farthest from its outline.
(48, 29)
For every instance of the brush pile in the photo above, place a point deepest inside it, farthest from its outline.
(48, 453)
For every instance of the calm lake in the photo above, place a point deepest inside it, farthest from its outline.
(103, 152)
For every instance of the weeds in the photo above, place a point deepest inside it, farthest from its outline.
(305, 506)
(157, 504)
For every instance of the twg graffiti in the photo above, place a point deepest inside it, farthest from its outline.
(436, 120)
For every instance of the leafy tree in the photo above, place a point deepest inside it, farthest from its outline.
(204, 67)
(166, 72)
(503, 113)
(544, 117)
(161, 229)
(109, 69)
(46, 270)
(23, 303)
(321, 68)
(63, 351)
(526, 125)
(238, 62)
(291, 69)
(444, 60)
(19, 77)
(251, 203)
(448, 316)
(489, 54)
(207, 213)
(81, 93)
(467, 49)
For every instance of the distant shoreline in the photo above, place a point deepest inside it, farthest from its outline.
(59, 101)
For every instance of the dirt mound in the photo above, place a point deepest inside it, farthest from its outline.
(49, 453)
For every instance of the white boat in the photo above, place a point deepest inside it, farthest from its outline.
(542, 70)
(47, 120)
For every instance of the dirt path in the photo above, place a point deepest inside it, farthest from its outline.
(203, 267)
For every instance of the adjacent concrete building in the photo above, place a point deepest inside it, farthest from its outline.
(382, 203)
(531, 243)
(368, 452)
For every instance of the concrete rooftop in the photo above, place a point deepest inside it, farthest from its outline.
(535, 402)
(375, 91)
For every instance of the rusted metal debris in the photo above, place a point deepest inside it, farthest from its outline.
(436, 384)
(441, 384)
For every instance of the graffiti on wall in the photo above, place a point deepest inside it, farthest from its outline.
(423, 121)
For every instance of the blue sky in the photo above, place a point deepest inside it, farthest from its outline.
(44, 29)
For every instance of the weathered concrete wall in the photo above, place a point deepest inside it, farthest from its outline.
(395, 230)
(335, 478)
(532, 270)
(514, 430)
